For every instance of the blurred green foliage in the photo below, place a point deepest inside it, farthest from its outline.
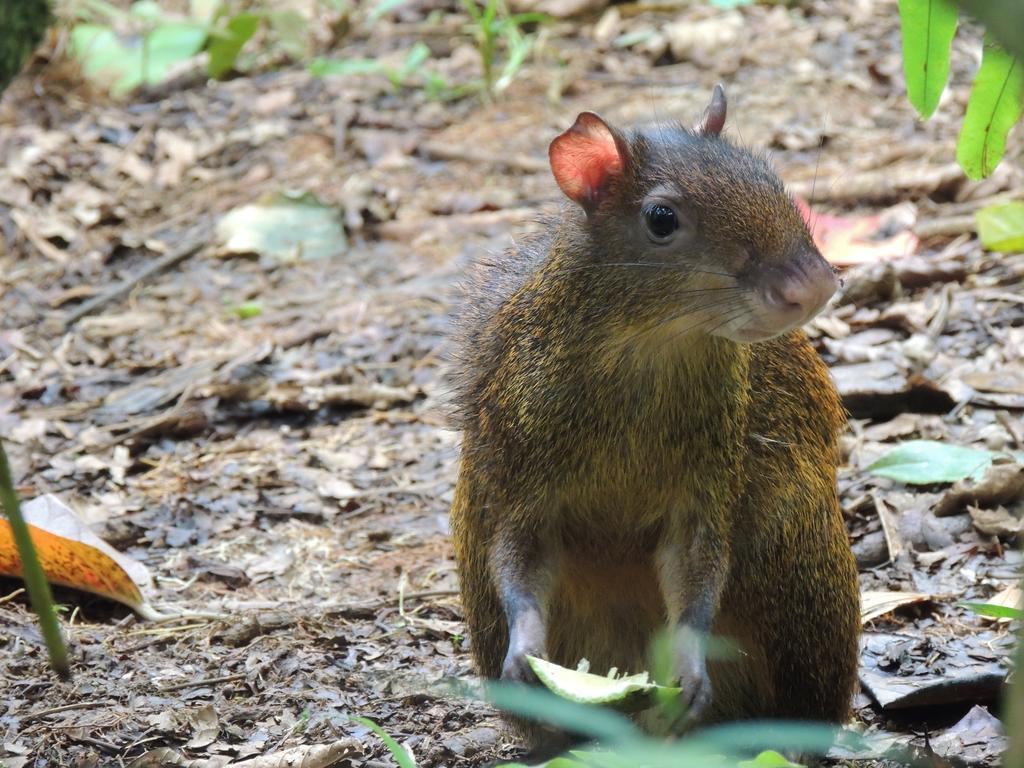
(997, 96)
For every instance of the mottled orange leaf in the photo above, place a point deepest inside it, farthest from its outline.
(72, 556)
(849, 240)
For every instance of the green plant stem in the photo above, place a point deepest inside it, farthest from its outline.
(32, 572)
(1014, 715)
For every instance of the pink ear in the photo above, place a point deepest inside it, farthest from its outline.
(584, 157)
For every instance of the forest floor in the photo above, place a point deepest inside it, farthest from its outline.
(292, 467)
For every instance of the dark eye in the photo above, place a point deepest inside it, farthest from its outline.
(661, 221)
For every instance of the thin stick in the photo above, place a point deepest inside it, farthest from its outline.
(204, 681)
(166, 261)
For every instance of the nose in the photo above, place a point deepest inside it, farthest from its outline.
(798, 291)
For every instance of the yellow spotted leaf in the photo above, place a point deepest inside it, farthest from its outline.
(72, 556)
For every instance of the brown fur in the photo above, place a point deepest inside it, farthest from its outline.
(601, 417)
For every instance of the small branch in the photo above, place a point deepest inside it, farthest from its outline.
(166, 261)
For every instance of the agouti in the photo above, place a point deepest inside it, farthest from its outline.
(649, 439)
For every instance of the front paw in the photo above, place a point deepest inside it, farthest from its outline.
(516, 668)
(525, 639)
(692, 674)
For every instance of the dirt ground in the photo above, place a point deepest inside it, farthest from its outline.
(293, 469)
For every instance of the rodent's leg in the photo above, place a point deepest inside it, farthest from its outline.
(692, 568)
(523, 573)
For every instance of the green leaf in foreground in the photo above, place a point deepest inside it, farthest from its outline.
(927, 27)
(628, 694)
(226, 44)
(995, 611)
(769, 759)
(923, 462)
(1001, 226)
(992, 109)
(284, 228)
(536, 704)
(403, 758)
(35, 580)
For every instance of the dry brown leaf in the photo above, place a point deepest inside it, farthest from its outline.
(995, 522)
(1007, 380)
(878, 603)
(1003, 483)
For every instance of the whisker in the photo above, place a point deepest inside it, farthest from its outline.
(655, 264)
(728, 305)
(733, 315)
(813, 218)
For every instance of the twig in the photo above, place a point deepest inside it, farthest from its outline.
(62, 708)
(166, 261)
(204, 681)
(946, 226)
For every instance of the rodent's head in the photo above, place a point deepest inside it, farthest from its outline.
(711, 216)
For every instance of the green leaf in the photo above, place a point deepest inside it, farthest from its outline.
(995, 611)
(768, 759)
(628, 693)
(403, 758)
(224, 48)
(1001, 226)
(105, 59)
(291, 29)
(248, 309)
(169, 45)
(994, 106)
(415, 59)
(203, 10)
(927, 27)
(321, 67)
(147, 9)
(382, 8)
(284, 228)
(545, 706)
(923, 462)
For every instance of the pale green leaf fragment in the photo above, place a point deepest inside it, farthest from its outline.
(994, 611)
(924, 462)
(768, 759)
(927, 27)
(384, 7)
(167, 46)
(105, 60)
(631, 692)
(1001, 226)
(321, 67)
(284, 228)
(224, 48)
(994, 106)
(147, 9)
